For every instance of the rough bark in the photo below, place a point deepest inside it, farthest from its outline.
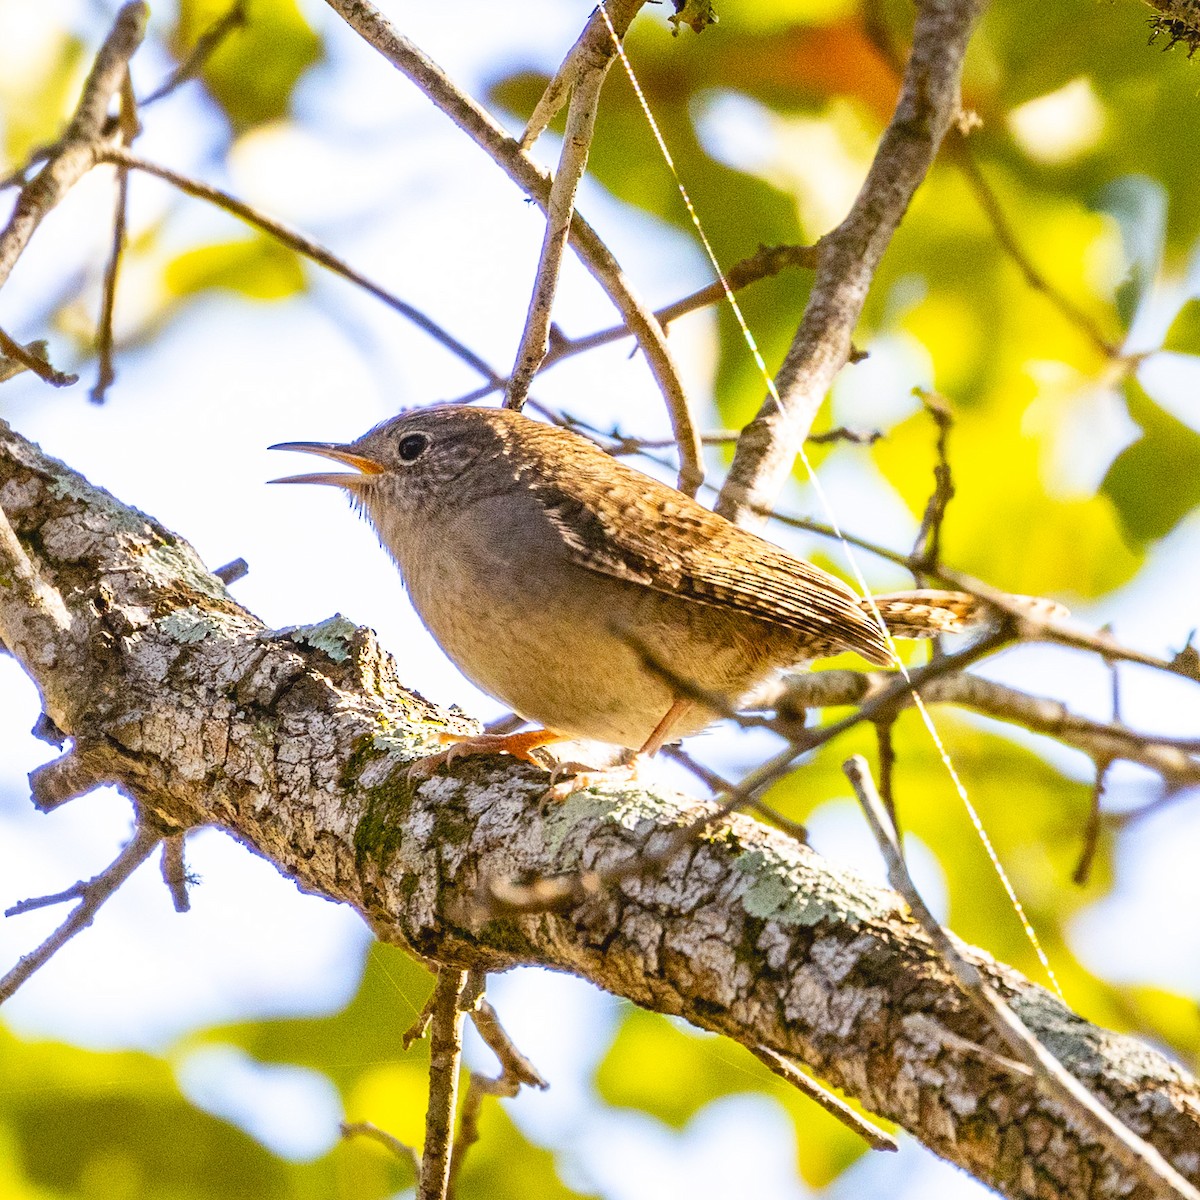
(295, 742)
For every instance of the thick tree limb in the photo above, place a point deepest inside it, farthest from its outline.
(849, 256)
(295, 742)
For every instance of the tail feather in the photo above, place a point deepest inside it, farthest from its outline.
(928, 612)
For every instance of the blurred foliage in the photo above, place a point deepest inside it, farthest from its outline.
(258, 267)
(254, 70)
(1088, 143)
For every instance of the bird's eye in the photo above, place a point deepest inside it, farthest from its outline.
(411, 446)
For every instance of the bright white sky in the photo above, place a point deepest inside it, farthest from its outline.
(397, 191)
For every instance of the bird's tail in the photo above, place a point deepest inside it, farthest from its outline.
(927, 612)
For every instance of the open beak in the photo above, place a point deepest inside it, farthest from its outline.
(364, 466)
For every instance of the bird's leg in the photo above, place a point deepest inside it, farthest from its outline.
(519, 745)
(658, 737)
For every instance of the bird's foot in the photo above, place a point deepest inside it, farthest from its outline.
(568, 778)
(519, 745)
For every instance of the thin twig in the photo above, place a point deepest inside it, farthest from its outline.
(582, 74)
(1091, 832)
(420, 1025)
(174, 872)
(302, 244)
(877, 29)
(887, 766)
(515, 1070)
(445, 1054)
(1175, 759)
(513, 1063)
(594, 45)
(206, 45)
(93, 894)
(401, 1150)
(1137, 1155)
(849, 256)
(572, 163)
(74, 892)
(79, 148)
(366, 20)
(766, 262)
(30, 357)
(128, 126)
(964, 158)
(835, 1106)
(231, 572)
(927, 546)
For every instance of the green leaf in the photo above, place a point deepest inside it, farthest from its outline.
(116, 1126)
(255, 68)
(1155, 482)
(1184, 335)
(258, 267)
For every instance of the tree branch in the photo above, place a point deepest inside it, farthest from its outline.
(302, 244)
(92, 896)
(850, 255)
(1176, 760)
(78, 149)
(297, 741)
(367, 21)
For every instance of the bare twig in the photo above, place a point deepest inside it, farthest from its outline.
(964, 157)
(927, 546)
(420, 1025)
(74, 892)
(582, 74)
(875, 1137)
(478, 124)
(513, 1063)
(302, 244)
(1137, 1155)
(849, 256)
(32, 357)
(79, 148)
(206, 45)
(128, 127)
(231, 572)
(515, 1070)
(876, 25)
(1177, 760)
(1091, 832)
(593, 46)
(92, 896)
(174, 872)
(572, 163)
(445, 1054)
(401, 1150)
(887, 766)
(764, 263)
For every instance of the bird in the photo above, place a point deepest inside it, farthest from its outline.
(591, 599)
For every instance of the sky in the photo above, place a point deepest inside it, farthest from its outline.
(386, 180)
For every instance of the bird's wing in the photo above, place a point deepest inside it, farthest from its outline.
(634, 528)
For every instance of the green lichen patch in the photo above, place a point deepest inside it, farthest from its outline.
(561, 819)
(384, 804)
(782, 890)
(188, 626)
(333, 636)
